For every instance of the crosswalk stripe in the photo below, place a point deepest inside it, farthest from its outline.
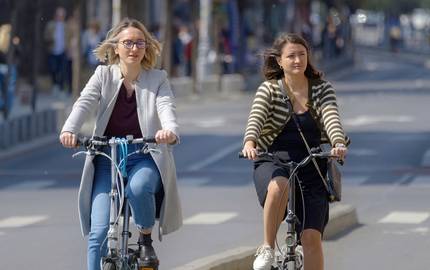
(31, 185)
(210, 218)
(21, 221)
(403, 217)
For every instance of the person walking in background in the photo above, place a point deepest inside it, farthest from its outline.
(90, 40)
(131, 98)
(57, 36)
(271, 128)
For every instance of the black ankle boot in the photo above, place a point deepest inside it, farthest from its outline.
(147, 252)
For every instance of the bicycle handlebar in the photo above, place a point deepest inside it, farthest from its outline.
(103, 141)
(315, 153)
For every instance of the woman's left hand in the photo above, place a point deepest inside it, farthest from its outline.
(340, 151)
(165, 136)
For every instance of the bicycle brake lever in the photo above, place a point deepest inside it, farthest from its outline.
(145, 150)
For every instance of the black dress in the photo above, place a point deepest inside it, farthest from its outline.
(314, 192)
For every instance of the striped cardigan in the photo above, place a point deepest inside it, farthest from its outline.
(270, 113)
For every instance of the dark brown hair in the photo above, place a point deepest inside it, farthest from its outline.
(271, 68)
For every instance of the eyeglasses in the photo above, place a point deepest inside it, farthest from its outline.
(129, 44)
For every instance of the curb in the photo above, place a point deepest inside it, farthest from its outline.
(28, 146)
(343, 217)
(234, 259)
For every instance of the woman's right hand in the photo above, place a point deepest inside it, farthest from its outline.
(249, 150)
(68, 139)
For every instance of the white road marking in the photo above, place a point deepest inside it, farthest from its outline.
(210, 218)
(193, 181)
(404, 217)
(355, 180)
(425, 162)
(421, 180)
(369, 120)
(214, 122)
(225, 151)
(21, 221)
(362, 152)
(31, 185)
(205, 123)
(420, 230)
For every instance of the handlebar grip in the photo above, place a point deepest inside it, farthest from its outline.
(83, 141)
(241, 155)
(149, 140)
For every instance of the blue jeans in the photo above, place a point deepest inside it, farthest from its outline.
(144, 181)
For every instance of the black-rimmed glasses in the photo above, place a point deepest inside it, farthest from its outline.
(129, 44)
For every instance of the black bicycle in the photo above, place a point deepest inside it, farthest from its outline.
(121, 255)
(291, 257)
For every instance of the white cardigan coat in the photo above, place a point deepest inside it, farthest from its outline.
(155, 109)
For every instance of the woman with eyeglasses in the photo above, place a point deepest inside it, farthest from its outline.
(130, 97)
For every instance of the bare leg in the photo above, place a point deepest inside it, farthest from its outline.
(274, 208)
(312, 250)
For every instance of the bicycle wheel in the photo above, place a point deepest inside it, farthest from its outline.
(109, 266)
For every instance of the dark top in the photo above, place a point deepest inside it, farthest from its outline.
(124, 120)
(289, 140)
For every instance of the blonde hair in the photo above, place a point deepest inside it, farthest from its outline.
(105, 52)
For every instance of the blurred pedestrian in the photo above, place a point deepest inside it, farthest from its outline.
(395, 37)
(90, 40)
(57, 36)
(131, 98)
(186, 39)
(293, 91)
(10, 51)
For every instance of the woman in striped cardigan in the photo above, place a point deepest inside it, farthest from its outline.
(291, 76)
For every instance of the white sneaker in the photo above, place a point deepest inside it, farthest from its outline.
(299, 257)
(265, 258)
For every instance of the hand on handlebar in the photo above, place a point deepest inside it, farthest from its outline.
(68, 139)
(249, 151)
(165, 136)
(339, 151)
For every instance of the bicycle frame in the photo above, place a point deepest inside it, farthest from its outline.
(289, 262)
(119, 256)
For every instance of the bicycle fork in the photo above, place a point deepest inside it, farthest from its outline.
(290, 261)
(112, 236)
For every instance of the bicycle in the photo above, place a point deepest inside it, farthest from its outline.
(293, 258)
(120, 255)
